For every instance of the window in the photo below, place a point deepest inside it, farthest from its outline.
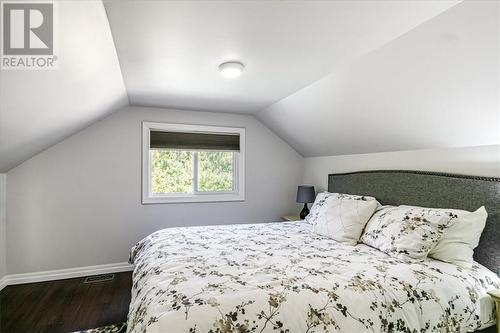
(191, 163)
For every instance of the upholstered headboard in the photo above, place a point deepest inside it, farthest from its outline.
(433, 189)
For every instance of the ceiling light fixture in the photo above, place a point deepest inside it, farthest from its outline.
(231, 69)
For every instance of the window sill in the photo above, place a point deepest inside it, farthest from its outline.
(193, 198)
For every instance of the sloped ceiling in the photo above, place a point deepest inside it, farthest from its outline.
(167, 53)
(437, 86)
(169, 50)
(39, 108)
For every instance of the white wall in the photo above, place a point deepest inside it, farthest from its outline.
(437, 86)
(3, 239)
(481, 161)
(79, 202)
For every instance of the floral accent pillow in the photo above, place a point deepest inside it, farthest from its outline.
(407, 232)
(341, 217)
(312, 217)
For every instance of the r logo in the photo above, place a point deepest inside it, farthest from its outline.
(28, 29)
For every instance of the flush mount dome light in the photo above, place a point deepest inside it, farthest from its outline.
(231, 69)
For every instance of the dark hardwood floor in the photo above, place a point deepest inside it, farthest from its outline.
(64, 305)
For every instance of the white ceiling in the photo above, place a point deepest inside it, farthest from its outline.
(169, 50)
(167, 53)
(437, 86)
(39, 108)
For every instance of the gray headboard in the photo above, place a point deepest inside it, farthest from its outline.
(433, 189)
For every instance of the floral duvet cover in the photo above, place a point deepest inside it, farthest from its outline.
(281, 277)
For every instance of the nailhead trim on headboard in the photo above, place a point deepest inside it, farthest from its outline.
(430, 173)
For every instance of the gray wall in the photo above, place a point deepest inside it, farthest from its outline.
(3, 239)
(480, 161)
(79, 202)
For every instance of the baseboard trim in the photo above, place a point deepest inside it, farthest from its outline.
(67, 273)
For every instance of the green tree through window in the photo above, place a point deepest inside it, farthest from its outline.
(172, 171)
(215, 170)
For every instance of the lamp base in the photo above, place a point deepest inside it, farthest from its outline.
(304, 212)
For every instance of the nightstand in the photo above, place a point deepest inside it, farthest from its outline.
(290, 218)
(495, 294)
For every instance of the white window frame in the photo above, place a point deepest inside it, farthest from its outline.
(238, 194)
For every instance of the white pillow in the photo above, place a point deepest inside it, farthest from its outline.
(459, 240)
(341, 217)
(407, 232)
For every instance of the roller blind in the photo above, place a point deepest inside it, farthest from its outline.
(199, 141)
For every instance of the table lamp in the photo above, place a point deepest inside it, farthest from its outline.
(305, 195)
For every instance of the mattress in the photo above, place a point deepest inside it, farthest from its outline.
(281, 277)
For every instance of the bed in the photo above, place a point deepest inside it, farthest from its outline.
(281, 277)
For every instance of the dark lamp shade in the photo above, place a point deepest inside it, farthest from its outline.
(305, 194)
